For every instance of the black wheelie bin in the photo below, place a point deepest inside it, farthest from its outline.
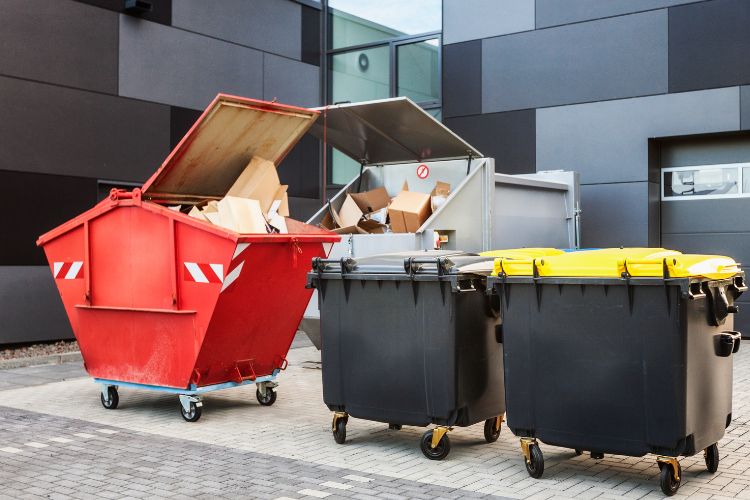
(623, 351)
(410, 339)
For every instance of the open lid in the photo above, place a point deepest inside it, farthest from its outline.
(230, 132)
(389, 131)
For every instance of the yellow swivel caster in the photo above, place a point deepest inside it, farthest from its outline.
(534, 458)
(435, 443)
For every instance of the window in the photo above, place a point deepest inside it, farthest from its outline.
(706, 182)
(380, 49)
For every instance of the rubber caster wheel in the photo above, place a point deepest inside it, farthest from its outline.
(712, 458)
(339, 431)
(578, 452)
(490, 434)
(394, 427)
(113, 398)
(268, 399)
(535, 464)
(669, 485)
(440, 451)
(193, 414)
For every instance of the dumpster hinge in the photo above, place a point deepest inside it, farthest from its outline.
(362, 164)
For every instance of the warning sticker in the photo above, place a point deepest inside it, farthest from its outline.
(423, 171)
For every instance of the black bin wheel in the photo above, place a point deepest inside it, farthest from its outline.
(712, 458)
(339, 431)
(440, 451)
(490, 434)
(669, 485)
(268, 399)
(113, 398)
(394, 427)
(535, 464)
(578, 452)
(193, 414)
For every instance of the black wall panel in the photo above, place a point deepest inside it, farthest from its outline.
(509, 137)
(709, 43)
(301, 169)
(310, 38)
(462, 78)
(180, 121)
(35, 203)
(161, 10)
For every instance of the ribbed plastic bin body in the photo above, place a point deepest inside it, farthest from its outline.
(410, 339)
(631, 364)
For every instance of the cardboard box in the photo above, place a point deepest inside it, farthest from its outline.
(241, 215)
(259, 181)
(408, 211)
(439, 194)
(371, 201)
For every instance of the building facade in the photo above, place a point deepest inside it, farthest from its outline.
(648, 99)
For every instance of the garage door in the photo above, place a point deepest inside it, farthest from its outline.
(704, 209)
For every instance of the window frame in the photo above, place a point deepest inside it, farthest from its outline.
(739, 194)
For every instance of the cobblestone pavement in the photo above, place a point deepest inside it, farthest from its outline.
(57, 441)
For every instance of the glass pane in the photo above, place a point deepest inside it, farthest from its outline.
(360, 75)
(746, 180)
(418, 71)
(437, 113)
(354, 22)
(343, 168)
(701, 182)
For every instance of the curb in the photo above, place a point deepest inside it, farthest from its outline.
(52, 359)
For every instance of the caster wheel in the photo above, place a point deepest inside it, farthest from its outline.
(578, 452)
(669, 485)
(193, 415)
(113, 399)
(535, 464)
(339, 433)
(712, 458)
(490, 434)
(268, 399)
(440, 451)
(394, 427)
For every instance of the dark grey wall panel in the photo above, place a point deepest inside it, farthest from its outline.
(180, 121)
(473, 19)
(607, 59)
(310, 35)
(45, 128)
(172, 66)
(507, 137)
(61, 42)
(303, 208)
(608, 141)
(161, 10)
(615, 215)
(705, 150)
(745, 107)
(269, 25)
(300, 169)
(32, 309)
(57, 198)
(709, 44)
(291, 82)
(706, 216)
(555, 12)
(462, 79)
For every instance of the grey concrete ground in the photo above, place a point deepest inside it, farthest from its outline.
(56, 441)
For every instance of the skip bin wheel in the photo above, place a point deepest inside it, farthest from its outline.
(394, 427)
(268, 399)
(339, 431)
(490, 434)
(113, 398)
(712, 458)
(578, 452)
(669, 485)
(535, 463)
(440, 451)
(193, 415)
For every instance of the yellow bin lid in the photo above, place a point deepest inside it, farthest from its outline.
(522, 255)
(637, 262)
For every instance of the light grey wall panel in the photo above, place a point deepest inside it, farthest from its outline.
(269, 25)
(32, 310)
(51, 129)
(60, 42)
(608, 141)
(606, 59)
(614, 215)
(745, 106)
(291, 82)
(554, 12)
(162, 64)
(473, 19)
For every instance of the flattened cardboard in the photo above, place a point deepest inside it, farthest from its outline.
(371, 201)
(241, 215)
(258, 181)
(350, 213)
(195, 212)
(408, 211)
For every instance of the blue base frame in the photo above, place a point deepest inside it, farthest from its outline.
(193, 390)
